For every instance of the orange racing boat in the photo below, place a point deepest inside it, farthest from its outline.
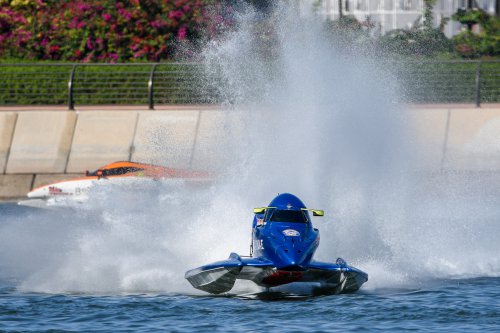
(115, 172)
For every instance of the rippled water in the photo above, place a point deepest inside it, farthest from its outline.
(443, 305)
(421, 303)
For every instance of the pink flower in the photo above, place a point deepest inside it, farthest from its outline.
(83, 7)
(54, 49)
(106, 17)
(218, 19)
(89, 44)
(127, 15)
(139, 54)
(73, 23)
(181, 34)
(157, 24)
(176, 14)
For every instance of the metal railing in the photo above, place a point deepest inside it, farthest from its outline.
(185, 83)
(89, 84)
(449, 81)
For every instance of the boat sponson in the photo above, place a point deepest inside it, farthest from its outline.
(216, 280)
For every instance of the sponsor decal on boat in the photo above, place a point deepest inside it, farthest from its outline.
(53, 190)
(291, 232)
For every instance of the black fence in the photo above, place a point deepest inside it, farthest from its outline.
(185, 83)
(94, 84)
(449, 81)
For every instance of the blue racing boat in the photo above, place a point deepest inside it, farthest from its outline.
(283, 244)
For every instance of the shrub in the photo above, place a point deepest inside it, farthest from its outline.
(473, 45)
(104, 30)
(416, 41)
(470, 17)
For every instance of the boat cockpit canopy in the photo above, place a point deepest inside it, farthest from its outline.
(114, 171)
(281, 215)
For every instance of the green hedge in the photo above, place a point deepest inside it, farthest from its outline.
(448, 81)
(177, 83)
(26, 84)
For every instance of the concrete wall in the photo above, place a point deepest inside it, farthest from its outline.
(15, 186)
(101, 137)
(41, 142)
(166, 137)
(473, 140)
(50, 143)
(7, 123)
(462, 139)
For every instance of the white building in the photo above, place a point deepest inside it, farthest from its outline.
(400, 14)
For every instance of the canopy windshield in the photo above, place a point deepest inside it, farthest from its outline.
(278, 215)
(115, 171)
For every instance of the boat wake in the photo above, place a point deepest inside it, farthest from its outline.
(119, 243)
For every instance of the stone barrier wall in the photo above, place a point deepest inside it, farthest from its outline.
(460, 139)
(38, 147)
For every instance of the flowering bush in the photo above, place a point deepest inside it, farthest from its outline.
(104, 30)
(12, 38)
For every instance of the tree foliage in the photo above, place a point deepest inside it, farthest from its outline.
(486, 42)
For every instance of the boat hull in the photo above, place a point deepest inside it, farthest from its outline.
(220, 277)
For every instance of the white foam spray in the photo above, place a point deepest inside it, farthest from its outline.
(304, 114)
